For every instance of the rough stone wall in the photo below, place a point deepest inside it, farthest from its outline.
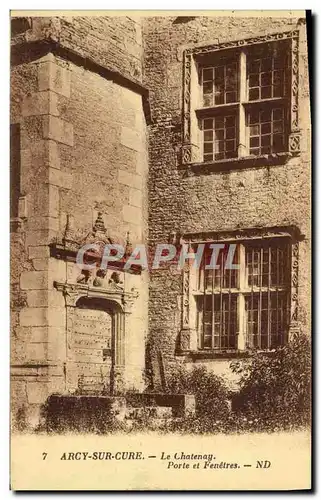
(113, 42)
(235, 199)
(82, 150)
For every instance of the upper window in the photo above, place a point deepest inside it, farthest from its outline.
(240, 101)
(254, 81)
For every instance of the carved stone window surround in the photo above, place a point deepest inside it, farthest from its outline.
(188, 336)
(189, 154)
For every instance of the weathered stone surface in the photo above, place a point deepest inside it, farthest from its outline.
(53, 201)
(58, 130)
(36, 392)
(135, 197)
(38, 334)
(60, 179)
(36, 352)
(41, 237)
(37, 298)
(128, 179)
(34, 316)
(32, 280)
(53, 154)
(40, 103)
(38, 223)
(132, 214)
(130, 138)
(38, 252)
(54, 77)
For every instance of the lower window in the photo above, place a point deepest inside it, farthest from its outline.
(248, 307)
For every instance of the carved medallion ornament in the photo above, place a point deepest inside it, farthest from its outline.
(189, 54)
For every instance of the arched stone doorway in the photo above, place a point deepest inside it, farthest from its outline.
(93, 343)
(95, 337)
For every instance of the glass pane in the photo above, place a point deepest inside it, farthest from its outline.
(219, 146)
(230, 133)
(208, 135)
(266, 79)
(224, 135)
(219, 134)
(254, 65)
(219, 73)
(231, 97)
(254, 142)
(266, 76)
(265, 116)
(207, 124)
(254, 117)
(278, 77)
(277, 91)
(262, 124)
(254, 130)
(266, 92)
(230, 145)
(208, 147)
(230, 121)
(278, 142)
(219, 122)
(279, 62)
(219, 97)
(266, 128)
(266, 64)
(220, 82)
(254, 80)
(207, 87)
(277, 114)
(208, 74)
(266, 140)
(278, 126)
(254, 94)
(208, 100)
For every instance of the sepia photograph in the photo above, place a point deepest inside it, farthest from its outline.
(160, 241)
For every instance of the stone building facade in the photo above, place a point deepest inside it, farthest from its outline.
(154, 130)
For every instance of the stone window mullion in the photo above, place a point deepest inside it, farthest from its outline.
(242, 145)
(241, 341)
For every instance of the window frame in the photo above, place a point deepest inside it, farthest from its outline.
(242, 291)
(187, 340)
(191, 150)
